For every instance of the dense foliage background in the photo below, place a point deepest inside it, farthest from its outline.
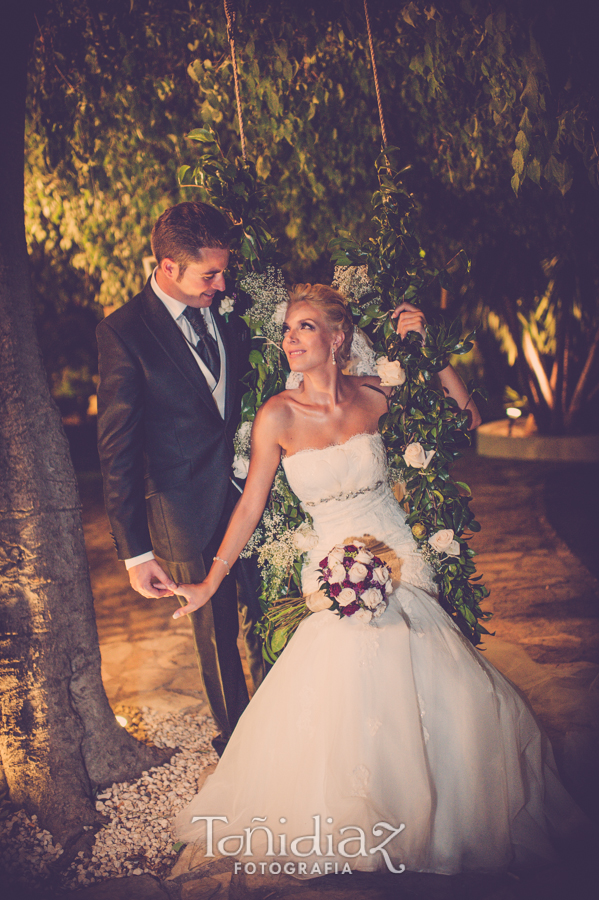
(494, 108)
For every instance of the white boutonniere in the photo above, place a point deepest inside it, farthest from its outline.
(227, 305)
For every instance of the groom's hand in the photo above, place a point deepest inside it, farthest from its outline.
(150, 580)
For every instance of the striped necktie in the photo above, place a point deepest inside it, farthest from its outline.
(206, 347)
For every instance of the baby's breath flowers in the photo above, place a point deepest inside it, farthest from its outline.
(277, 543)
(243, 439)
(269, 302)
(241, 446)
(430, 555)
(353, 282)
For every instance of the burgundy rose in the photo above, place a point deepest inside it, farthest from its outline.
(351, 608)
(335, 589)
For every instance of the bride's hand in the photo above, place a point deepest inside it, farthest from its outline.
(197, 595)
(409, 318)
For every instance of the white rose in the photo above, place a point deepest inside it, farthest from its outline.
(346, 596)
(364, 556)
(337, 555)
(362, 615)
(381, 574)
(390, 372)
(280, 313)
(337, 574)
(371, 597)
(305, 538)
(417, 457)
(357, 573)
(454, 549)
(226, 306)
(388, 587)
(241, 466)
(318, 601)
(442, 541)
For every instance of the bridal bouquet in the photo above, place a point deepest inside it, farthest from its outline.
(356, 581)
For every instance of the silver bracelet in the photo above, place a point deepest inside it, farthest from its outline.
(224, 561)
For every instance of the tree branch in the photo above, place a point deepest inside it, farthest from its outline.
(577, 397)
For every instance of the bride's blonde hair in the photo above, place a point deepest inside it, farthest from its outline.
(333, 306)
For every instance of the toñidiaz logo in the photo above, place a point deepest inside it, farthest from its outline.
(352, 843)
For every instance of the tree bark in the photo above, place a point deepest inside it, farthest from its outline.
(58, 735)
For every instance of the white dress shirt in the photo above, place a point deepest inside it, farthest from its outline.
(176, 309)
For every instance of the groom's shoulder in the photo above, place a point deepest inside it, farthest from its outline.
(128, 315)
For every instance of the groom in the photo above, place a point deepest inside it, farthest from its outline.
(168, 407)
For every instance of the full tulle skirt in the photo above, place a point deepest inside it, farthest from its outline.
(382, 745)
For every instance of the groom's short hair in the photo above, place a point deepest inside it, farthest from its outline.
(182, 232)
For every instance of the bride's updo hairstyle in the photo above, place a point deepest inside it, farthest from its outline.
(332, 305)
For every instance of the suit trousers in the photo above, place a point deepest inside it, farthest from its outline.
(216, 629)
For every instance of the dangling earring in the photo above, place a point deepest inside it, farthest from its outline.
(333, 355)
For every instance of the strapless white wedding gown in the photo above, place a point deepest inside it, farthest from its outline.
(368, 727)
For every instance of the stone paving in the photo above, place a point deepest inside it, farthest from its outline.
(546, 624)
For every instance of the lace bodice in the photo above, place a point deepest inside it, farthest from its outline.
(344, 488)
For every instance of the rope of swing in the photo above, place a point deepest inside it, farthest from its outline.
(376, 75)
(231, 13)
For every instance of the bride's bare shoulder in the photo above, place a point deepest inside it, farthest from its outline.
(276, 413)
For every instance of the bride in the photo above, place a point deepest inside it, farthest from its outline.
(378, 745)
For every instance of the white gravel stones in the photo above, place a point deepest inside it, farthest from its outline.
(26, 852)
(136, 838)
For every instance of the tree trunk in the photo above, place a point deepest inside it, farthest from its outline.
(58, 735)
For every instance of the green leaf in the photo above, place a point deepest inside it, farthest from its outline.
(279, 640)
(203, 135)
(518, 162)
(182, 172)
(522, 143)
(256, 358)
(533, 170)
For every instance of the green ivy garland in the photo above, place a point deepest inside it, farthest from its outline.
(419, 412)
(375, 277)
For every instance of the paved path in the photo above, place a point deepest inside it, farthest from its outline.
(546, 624)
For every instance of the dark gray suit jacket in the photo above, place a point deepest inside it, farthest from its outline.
(165, 451)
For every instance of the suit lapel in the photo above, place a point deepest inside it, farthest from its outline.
(168, 334)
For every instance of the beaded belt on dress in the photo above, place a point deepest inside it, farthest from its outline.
(346, 496)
